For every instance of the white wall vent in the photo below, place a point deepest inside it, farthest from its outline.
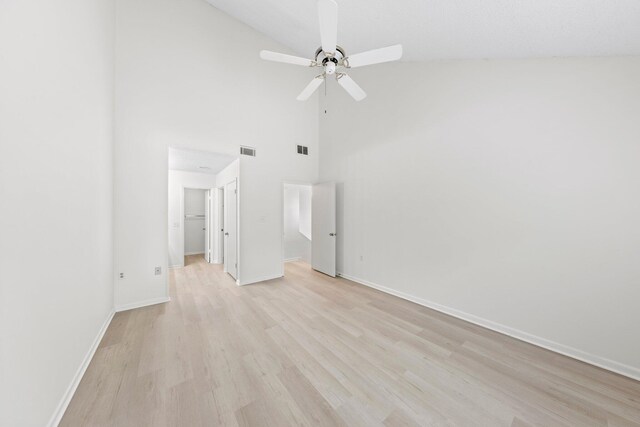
(303, 150)
(247, 151)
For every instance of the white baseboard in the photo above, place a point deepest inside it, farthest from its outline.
(176, 266)
(131, 306)
(68, 394)
(293, 259)
(601, 362)
(193, 253)
(259, 279)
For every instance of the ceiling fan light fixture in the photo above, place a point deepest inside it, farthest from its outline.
(332, 57)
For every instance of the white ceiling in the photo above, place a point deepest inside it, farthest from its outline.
(454, 29)
(198, 161)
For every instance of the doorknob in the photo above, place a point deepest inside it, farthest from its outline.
(226, 234)
(333, 234)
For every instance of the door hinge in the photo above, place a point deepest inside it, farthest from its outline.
(235, 191)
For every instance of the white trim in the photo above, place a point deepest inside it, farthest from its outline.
(68, 394)
(298, 258)
(592, 359)
(259, 279)
(131, 306)
(193, 253)
(176, 266)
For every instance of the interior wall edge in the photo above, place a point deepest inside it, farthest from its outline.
(574, 353)
(140, 304)
(259, 279)
(68, 395)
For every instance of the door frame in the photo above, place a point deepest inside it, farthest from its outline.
(217, 226)
(182, 188)
(224, 265)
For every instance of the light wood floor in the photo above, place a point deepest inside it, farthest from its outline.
(311, 350)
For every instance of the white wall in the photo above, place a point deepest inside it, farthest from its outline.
(189, 76)
(502, 190)
(177, 181)
(296, 245)
(194, 200)
(228, 174)
(56, 164)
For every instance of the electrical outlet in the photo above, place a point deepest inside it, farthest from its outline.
(121, 275)
(158, 271)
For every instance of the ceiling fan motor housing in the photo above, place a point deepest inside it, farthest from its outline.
(330, 65)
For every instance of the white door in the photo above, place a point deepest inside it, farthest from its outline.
(323, 228)
(220, 224)
(207, 225)
(231, 229)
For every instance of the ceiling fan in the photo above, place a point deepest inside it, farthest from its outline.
(333, 58)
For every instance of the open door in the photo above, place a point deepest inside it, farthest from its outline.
(323, 228)
(231, 229)
(219, 248)
(207, 225)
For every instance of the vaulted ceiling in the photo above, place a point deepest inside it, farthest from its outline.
(454, 29)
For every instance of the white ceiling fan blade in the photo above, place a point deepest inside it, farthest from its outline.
(351, 87)
(328, 13)
(311, 87)
(376, 56)
(288, 59)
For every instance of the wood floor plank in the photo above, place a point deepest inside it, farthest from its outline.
(312, 350)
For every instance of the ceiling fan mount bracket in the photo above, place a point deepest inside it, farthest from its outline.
(321, 56)
(331, 59)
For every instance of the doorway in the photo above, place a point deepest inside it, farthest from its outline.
(297, 223)
(309, 226)
(197, 217)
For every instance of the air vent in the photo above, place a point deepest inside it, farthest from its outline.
(247, 151)
(303, 150)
